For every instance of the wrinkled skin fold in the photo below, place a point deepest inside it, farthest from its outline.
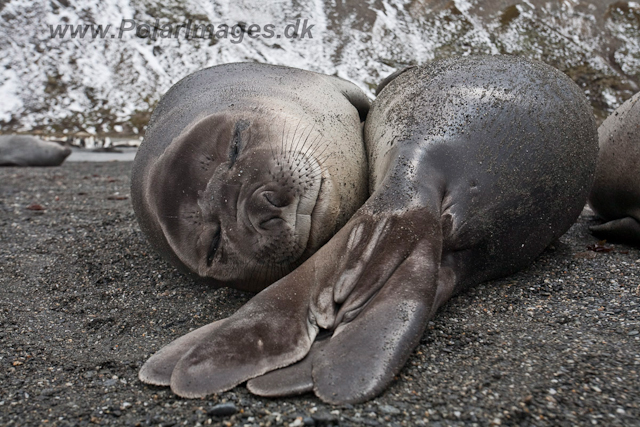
(476, 164)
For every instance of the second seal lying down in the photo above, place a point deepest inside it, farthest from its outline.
(476, 164)
(615, 195)
(26, 150)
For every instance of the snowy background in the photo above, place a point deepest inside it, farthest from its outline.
(110, 85)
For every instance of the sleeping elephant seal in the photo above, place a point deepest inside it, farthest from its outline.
(246, 169)
(615, 195)
(476, 164)
(26, 150)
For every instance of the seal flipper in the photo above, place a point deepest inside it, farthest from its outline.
(365, 354)
(626, 230)
(379, 319)
(158, 368)
(277, 327)
(271, 331)
(376, 310)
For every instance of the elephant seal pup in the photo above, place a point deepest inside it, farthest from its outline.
(476, 164)
(615, 195)
(26, 150)
(246, 169)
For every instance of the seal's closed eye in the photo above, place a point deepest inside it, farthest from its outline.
(236, 142)
(213, 248)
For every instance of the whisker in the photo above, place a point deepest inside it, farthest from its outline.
(284, 126)
(295, 150)
(315, 144)
(291, 150)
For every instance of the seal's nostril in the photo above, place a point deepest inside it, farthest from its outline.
(268, 195)
(275, 199)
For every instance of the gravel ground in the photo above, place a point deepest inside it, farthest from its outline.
(84, 301)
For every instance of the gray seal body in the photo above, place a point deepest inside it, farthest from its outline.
(615, 195)
(476, 164)
(25, 150)
(246, 169)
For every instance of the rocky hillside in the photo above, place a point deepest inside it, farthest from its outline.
(109, 83)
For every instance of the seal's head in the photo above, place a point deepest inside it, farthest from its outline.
(242, 198)
(246, 169)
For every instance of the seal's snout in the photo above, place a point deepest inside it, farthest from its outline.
(272, 210)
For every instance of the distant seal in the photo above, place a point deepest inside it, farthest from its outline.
(615, 195)
(26, 150)
(476, 164)
(246, 169)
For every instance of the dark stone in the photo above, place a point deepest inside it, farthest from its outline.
(223, 410)
(323, 418)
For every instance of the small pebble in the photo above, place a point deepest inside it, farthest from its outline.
(110, 382)
(47, 392)
(388, 409)
(323, 417)
(222, 410)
